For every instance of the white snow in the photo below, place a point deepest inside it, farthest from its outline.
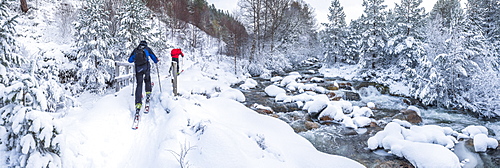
(482, 142)
(233, 94)
(416, 145)
(292, 77)
(249, 84)
(362, 121)
(361, 112)
(370, 105)
(332, 111)
(473, 130)
(317, 80)
(276, 79)
(273, 90)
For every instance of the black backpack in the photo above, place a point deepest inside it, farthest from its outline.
(140, 56)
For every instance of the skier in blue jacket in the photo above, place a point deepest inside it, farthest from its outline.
(140, 57)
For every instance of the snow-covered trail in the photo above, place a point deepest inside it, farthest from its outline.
(102, 135)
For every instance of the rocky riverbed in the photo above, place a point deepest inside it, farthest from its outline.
(331, 136)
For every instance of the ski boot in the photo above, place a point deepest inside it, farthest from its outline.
(148, 98)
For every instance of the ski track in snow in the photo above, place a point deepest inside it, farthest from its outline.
(102, 132)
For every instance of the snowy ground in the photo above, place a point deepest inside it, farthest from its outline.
(216, 132)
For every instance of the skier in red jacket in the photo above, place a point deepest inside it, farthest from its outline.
(175, 56)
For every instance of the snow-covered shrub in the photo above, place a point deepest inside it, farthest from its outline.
(27, 134)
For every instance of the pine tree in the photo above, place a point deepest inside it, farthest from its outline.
(354, 34)
(27, 132)
(133, 26)
(374, 35)
(406, 43)
(335, 34)
(7, 42)
(453, 59)
(481, 50)
(92, 44)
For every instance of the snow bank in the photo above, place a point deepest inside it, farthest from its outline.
(239, 137)
(425, 155)
(423, 146)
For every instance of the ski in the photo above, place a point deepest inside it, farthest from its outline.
(135, 125)
(146, 107)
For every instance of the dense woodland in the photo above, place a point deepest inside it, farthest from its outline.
(449, 56)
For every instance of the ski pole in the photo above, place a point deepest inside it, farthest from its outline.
(158, 72)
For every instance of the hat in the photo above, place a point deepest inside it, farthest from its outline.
(143, 42)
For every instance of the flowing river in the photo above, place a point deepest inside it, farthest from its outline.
(334, 138)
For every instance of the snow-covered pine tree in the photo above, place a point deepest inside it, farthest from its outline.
(450, 68)
(7, 44)
(28, 135)
(299, 45)
(352, 51)
(374, 36)
(483, 95)
(406, 38)
(133, 27)
(92, 44)
(334, 35)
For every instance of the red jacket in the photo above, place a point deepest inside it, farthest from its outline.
(176, 52)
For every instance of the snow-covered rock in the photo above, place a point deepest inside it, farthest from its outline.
(332, 111)
(315, 107)
(276, 79)
(273, 90)
(482, 142)
(347, 122)
(317, 80)
(249, 84)
(473, 130)
(233, 94)
(416, 145)
(361, 112)
(370, 105)
(425, 155)
(362, 121)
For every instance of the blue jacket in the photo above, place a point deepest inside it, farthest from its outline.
(147, 51)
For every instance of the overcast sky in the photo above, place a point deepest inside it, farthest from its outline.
(352, 8)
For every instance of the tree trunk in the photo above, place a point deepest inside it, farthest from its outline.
(24, 6)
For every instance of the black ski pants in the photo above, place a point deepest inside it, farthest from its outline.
(142, 73)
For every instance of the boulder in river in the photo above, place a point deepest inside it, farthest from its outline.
(352, 96)
(409, 115)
